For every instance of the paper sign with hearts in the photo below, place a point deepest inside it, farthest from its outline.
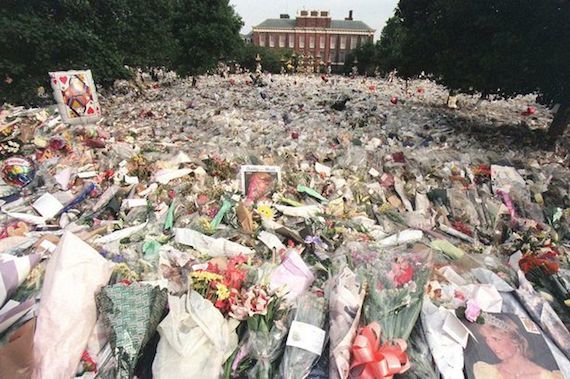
(76, 96)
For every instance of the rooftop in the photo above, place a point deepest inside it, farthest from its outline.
(287, 23)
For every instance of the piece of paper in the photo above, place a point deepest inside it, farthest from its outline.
(166, 175)
(455, 329)
(87, 174)
(47, 206)
(307, 211)
(293, 274)
(271, 241)
(446, 351)
(12, 311)
(120, 234)
(133, 203)
(322, 169)
(405, 236)
(306, 336)
(214, 247)
(62, 178)
(486, 276)
(13, 271)
(30, 219)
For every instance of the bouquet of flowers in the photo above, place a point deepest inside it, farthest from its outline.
(540, 262)
(220, 285)
(396, 282)
(266, 314)
(306, 337)
(197, 330)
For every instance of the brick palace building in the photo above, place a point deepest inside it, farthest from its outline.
(314, 33)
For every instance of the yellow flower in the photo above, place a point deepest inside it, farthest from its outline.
(205, 276)
(265, 211)
(222, 292)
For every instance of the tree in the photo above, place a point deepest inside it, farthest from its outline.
(140, 30)
(205, 30)
(270, 58)
(104, 35)
(389, 47)
(49, 35)
(367, 57)
(502, 47)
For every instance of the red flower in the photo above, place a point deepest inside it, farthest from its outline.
(530, 262)
(401, 273)
(461, 227)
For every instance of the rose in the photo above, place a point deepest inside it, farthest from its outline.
(401, 273)
(473, 311)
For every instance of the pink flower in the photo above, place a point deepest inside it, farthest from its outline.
(401, 273)
(472, 311)
(459, 295)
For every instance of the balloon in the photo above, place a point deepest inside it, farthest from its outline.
(18, 171)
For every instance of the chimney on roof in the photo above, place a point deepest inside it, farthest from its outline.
(304, 13)
(349, 18)
(283, 15)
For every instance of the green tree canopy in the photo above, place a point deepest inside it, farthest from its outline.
(39, 36)
(502, 47)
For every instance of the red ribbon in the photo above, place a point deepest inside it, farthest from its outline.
(373, 360)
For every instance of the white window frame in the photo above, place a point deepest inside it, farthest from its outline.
(282, 40)
(291, 38)
(262, 39)
(311, 42)
(333, 42)
(322, 41)
(353, 42)
(271, 40)
(342, 42)
(302, 42)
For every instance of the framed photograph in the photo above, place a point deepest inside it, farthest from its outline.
(76, 97)
(508, 347)
(258, 182)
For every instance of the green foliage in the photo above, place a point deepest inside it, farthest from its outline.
(390, 45)
(270, 58)
(206, 30)
(42, 36)
(501, 47)
(38, 36)
(367, 57)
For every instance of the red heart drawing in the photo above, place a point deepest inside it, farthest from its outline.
(90, 110)
(54, 81)
(63, 79)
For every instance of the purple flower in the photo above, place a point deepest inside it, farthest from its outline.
(472, 311)
(313, 240)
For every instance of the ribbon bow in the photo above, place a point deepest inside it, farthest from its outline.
(373, 360)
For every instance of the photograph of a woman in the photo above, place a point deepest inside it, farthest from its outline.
(505, 349)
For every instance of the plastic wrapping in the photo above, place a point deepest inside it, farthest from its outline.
(306, 337)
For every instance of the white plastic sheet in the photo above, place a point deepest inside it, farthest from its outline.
(67, 313)
(195, 340)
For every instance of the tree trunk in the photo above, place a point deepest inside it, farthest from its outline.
(560, 122)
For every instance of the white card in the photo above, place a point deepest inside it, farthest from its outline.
(455, 329)
(307, 337)
(47, 205)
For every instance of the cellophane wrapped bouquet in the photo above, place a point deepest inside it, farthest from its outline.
(306, 337)
(266, 314)
(395, 280)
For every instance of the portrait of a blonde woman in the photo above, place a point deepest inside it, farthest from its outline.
(506, 350)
